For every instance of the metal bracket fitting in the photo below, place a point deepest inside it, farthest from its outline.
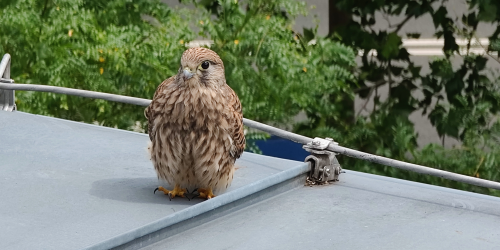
(7, 97)
(323, 163)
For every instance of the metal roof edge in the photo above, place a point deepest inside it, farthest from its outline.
(202, 208)
(422, 185)
(84, 124)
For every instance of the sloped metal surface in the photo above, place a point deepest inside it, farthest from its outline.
(362, 211)
(69, 185)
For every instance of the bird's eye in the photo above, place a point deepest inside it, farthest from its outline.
(205, 65)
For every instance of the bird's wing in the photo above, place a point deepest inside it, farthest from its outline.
(148, 112)
(235, 119)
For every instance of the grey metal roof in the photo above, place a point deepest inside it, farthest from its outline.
(68, 185)
(362, 211)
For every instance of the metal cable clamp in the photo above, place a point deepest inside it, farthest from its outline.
(7, 97)
(323, 163)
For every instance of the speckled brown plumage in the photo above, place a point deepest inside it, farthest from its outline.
(196, 124)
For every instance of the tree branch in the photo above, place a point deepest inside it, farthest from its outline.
(366, 102)
(376, 85)
(258, 47)
(389, 74)
(372, 89)
(486, 50)
(39, 29)
(41, 16)
(399, 26)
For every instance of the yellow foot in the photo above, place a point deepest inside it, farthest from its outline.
(206, 193)
(177, 191)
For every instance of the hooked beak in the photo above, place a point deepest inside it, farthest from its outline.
(187, 73)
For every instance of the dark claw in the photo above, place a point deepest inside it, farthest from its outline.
(170, 196)
(186, 195)
(197, 195)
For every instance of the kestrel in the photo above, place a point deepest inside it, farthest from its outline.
(195, 124)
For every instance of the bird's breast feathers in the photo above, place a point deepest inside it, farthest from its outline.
(193, 109)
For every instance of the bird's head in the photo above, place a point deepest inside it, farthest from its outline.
(201, 67)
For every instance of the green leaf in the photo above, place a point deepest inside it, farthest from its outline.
(487, 12)
(308, 35)
(413, 35)
(390, 48)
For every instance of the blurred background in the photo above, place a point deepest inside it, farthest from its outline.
(413, 80)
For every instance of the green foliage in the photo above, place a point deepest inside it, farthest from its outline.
(461, 102)
(276, 71)
(129, 47)
(93, 45)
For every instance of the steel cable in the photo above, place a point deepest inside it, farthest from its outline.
(271, 130)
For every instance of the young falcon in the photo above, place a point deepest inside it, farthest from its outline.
(195, 125)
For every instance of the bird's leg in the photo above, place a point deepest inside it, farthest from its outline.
(177, 191)
(205, 193)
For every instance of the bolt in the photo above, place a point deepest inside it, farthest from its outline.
(326, 171)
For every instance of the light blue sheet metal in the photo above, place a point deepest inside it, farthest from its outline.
(69, 185)
(361, 211)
